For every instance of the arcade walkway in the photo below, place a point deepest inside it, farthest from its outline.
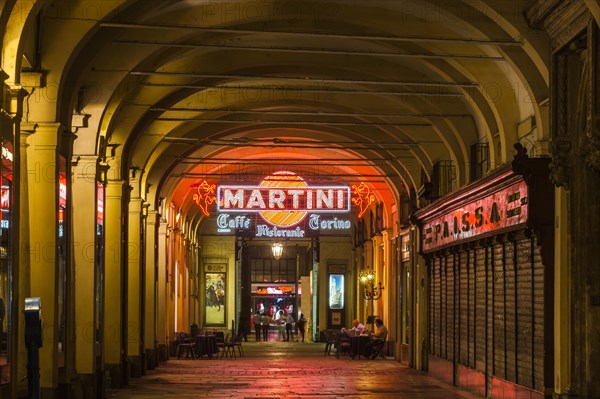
(286, 370)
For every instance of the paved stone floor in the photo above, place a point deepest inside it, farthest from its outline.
(277, 370)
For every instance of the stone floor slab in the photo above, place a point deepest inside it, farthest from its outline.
(290, 370)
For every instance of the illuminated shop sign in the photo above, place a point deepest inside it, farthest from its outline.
(502, 209)
(5, 206)
(282, 200)
(7, 154)
(362, 197)
(62, 203)
(205, 196)
(5, 198)
(274, 290)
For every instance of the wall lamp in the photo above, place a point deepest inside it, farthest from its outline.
(370, 290)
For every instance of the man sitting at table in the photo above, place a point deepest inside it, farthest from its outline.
(375, 345)
(358, 328)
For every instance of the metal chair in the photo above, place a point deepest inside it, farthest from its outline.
(237, 342)
(228, 347)
(342, 346)
(330, 341)
(185, 344)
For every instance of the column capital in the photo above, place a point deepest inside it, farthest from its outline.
(85, 167)
(114, 189)
(153, 217)
(15, 102)
(46, 136)
(26, 129)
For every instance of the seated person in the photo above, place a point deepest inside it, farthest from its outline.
(358, 328)
(378, 339)
(344, 333)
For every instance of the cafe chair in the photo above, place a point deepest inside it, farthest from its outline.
(378, 349)
(220, 340)
(342, 346)
(330, 341)
(228, 347)
(238, 343)
(185, 345)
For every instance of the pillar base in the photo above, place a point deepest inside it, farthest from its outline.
(115, 378)
(135, 366)
(163, 354)
(151, 359)
(50, 393)
(84, 387)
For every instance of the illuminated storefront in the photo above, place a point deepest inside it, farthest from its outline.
(488, 249)
(6, 258)
(283, 207)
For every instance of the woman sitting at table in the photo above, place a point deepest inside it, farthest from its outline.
(375, 345)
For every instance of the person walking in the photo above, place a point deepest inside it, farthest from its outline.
(280, 322)
(289, 322)
(243, 327)
(266, 323)
(257, 325)
(301, 324)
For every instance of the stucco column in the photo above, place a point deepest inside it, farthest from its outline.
(113, 283)
(41, 247)
(84, 190)
(161, 293)
(22, 132)
(20, 220)
(150, 290)
(420, 308)
(134, 302)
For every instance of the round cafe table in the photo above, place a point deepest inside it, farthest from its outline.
(358, 345)
(206, 345)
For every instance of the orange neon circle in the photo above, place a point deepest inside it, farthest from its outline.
(285, 218)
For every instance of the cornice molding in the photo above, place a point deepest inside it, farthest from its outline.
(563, 20)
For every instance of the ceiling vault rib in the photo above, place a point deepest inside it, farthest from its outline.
(305, 113)
(247, 174)
(284, 163)
(314, 51)
(406, 38)
(277, 140)
(288, 122)
(219, 160)
(373, 146)
(304, 90)
(294, 79)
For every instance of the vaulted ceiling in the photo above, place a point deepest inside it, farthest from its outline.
(338, 91)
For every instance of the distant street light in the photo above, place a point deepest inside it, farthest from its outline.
(277, 249)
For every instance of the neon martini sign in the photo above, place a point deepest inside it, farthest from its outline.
(283, 200)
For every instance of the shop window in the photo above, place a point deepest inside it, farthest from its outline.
(443, 178)
(405, 294)
(63, 255)
(479, 160)
(6, 242)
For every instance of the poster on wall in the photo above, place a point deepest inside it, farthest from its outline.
(336, 291)
(214, 308)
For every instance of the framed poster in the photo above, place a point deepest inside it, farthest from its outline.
(336, 291)
(215, 301)
(336, 319)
